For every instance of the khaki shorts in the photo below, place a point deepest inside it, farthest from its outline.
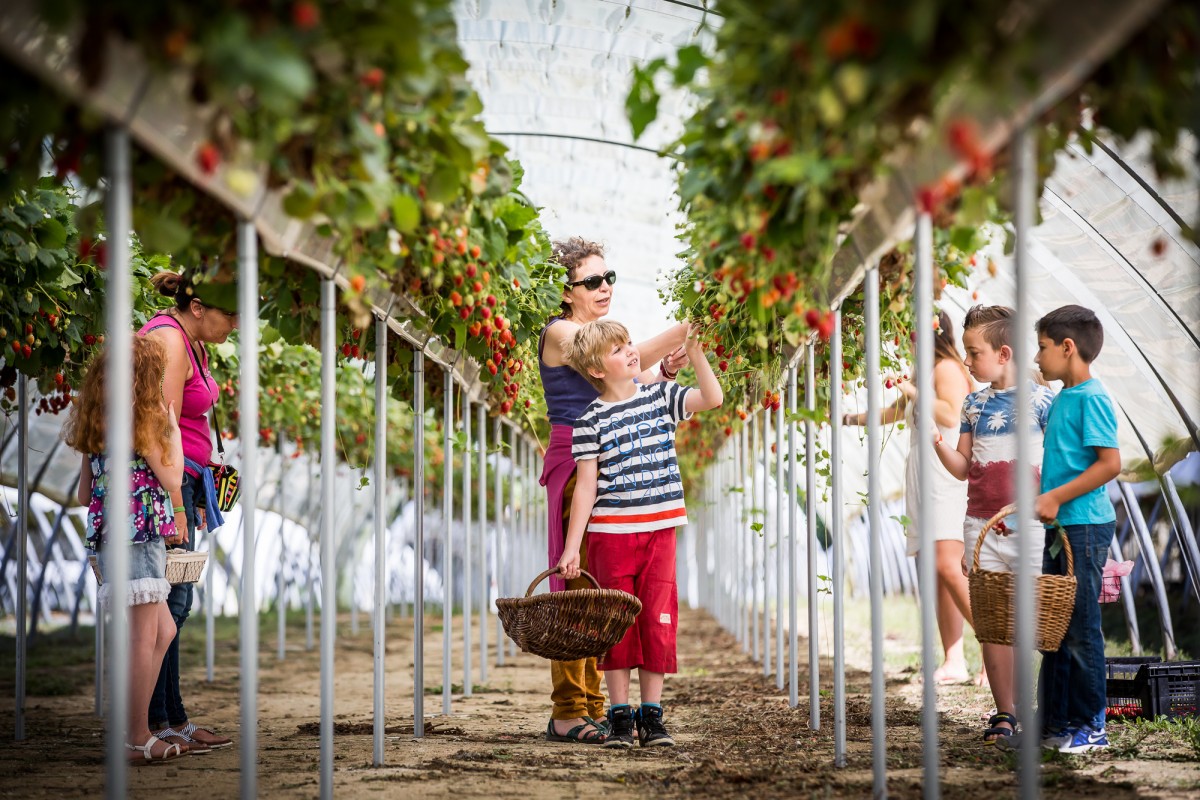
(1002, 553)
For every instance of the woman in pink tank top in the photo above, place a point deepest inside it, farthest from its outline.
(184, 330)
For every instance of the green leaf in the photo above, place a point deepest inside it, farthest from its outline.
(68, 277)
(406, 214)
(443, 185)
(301, 201)
(756, 527)
(690, 59)
(52, 234)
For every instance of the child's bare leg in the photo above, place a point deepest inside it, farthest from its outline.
(651, 684)
(998, 659)
(617, 681)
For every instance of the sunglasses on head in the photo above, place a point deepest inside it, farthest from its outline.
(592, 282)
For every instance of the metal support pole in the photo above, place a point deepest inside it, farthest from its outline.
(1024, 611)
(766, 551)
(498, 492)
(810, 506)
(755, 537)
(484, 586)
(328, 563)
(780, 494)
(926, 557)
(381, 532)
(1146, 545)
(310, 586)
(839, 546)
(514, 531)
(22, 553)
(467, 606)
(119, 400)
(448, 538)
(875, 532)
(740, 523)
(281, 587)
(418, 405)
(247, 242)
(793, 520)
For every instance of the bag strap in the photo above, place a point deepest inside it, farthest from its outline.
(216, 421)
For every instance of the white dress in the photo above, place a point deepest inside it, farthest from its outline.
(949, 493)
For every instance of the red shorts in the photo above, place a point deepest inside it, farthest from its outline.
(642, 564)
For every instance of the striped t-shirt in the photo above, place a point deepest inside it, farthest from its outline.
(638, 488)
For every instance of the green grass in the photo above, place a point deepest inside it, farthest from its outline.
(57, 663)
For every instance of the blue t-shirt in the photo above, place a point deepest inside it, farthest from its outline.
(1081, 419)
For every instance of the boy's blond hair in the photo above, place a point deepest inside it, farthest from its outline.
(591, 344)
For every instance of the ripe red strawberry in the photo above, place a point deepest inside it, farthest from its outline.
(305, 15)
(346, 349)
(490, 300)
(464, 312)
(455, 299)
(728, 431)
(208, 157)
(748, 241)
(506, 406)
(358, 283)
(16, 346)
(724, 365)
(812, 318)
(475, 251)
(26, 350)
(88, 339)
(471, 270)
(485, 312)
(372, 78)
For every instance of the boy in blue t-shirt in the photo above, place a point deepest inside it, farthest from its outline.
(1080, 457)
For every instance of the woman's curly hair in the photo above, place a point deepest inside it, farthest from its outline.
(84, 430)
(570, 253)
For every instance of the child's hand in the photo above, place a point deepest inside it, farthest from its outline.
(674, 361)
(568, 565)
(1045, 507)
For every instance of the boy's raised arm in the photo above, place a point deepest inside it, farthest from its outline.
(707, 394)
(958, 461)
(582, 503)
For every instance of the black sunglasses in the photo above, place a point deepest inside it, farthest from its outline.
(592, 282)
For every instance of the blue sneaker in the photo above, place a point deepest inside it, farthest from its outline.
(1084, 740)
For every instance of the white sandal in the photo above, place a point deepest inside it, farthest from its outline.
(148, 757)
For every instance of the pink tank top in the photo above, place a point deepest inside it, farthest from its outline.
(200, 394)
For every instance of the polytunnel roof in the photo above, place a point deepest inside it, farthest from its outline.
(553, 77)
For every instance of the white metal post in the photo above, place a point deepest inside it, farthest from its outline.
(247, 241)
(328, 564)
(1025, 148)
(755, 537)
(381, 531)
(281, 581)
(484, 587)
(780, 550)
(23, 553)
(814, 548)
(447, 538)
(119, 399)
(875, 531)
(501, 575)
(766, 551)
(793, 525)
(467, 606)
(839, 546)
(926, 555)
(418, 404)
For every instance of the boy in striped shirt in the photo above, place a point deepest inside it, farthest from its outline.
(629, 499)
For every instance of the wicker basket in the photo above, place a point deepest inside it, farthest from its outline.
(569, 625)
(992, 598)
(183, 566)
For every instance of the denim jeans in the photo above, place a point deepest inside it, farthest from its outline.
(166, 704)
(1071, 684)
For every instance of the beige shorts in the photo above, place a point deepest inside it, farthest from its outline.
(1002, 553)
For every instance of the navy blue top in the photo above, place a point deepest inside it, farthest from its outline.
(568, 394)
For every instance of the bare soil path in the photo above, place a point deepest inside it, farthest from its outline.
(737, 736)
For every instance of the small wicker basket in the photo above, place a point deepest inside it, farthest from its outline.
(569, 625)
(992, 594)
(183, 566)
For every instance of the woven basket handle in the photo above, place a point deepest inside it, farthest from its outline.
(554, 571)
(1001, 514)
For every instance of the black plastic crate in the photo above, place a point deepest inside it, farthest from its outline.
(1123, 687)
(1170, 689)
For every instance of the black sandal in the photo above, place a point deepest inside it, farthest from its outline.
(995, 731)
(587, 733)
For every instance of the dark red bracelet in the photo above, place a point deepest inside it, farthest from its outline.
(662, 370)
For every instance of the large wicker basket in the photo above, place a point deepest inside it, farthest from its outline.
(183, 566)
(992, 595)
(569, 625)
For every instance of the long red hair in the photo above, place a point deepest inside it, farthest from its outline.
(85, 430)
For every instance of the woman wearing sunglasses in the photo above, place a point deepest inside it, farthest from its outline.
(578, 701)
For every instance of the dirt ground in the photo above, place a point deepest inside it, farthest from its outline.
(737, 736)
